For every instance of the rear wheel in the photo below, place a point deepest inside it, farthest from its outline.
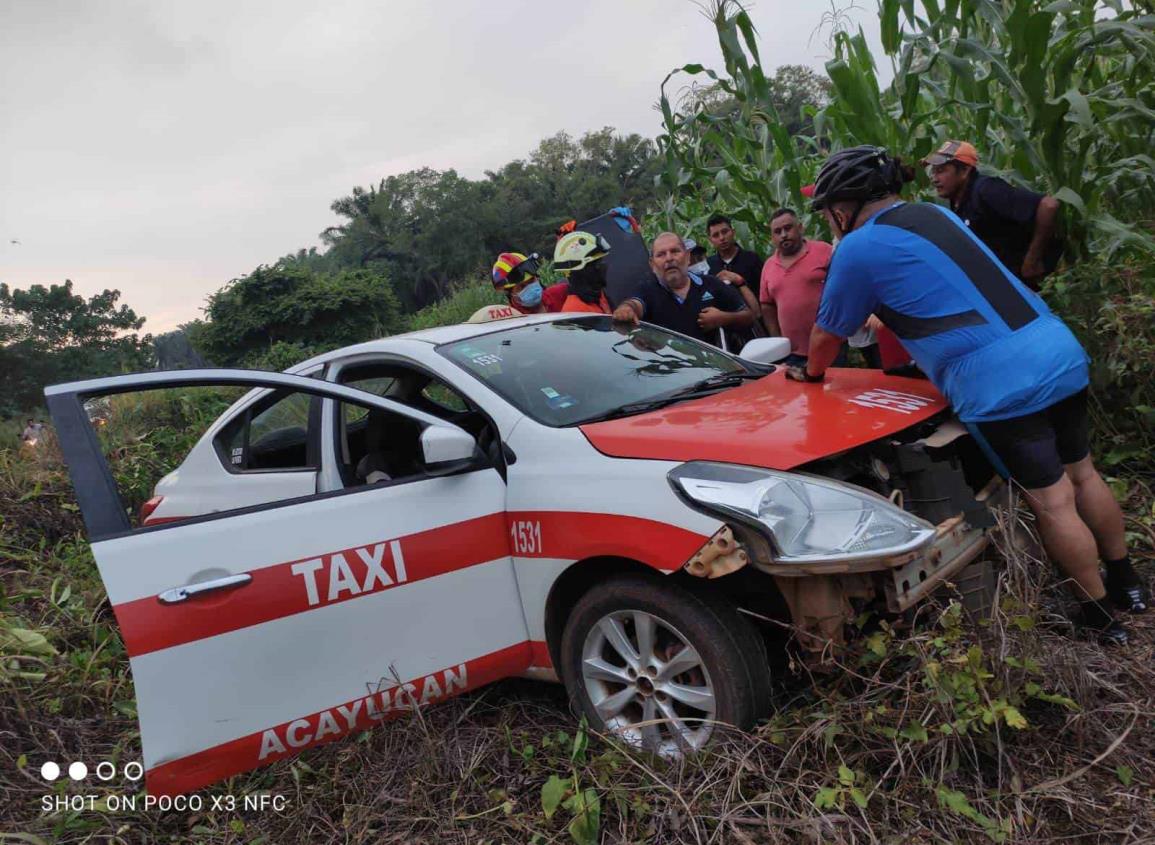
(658, 665)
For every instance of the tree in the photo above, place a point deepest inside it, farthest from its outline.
(175, 351)
(797, 92)
(50, 334)
(285, 304)
(429, 228)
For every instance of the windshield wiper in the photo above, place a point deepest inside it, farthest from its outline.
(702, 388)
(721, 380)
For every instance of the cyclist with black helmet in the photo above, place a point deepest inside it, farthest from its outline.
(1015, 374)
(516, 275)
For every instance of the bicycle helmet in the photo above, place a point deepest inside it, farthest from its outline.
(858, 174)
(577, 250)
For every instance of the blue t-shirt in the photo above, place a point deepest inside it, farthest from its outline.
(983, 338)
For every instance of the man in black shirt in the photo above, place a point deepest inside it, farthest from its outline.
(1016, 224)
(731, 263)
(698, 306)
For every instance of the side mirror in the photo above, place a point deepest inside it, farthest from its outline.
(766, 350)
(447, 447)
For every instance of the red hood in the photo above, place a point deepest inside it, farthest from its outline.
(772, 422)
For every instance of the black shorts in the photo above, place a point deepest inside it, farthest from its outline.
(1032, 450)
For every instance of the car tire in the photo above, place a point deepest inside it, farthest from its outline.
(724, 677)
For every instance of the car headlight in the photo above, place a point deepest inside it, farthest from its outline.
(808, 519)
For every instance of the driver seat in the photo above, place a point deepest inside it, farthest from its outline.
(392, 444)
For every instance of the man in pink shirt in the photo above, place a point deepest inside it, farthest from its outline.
(792, 280)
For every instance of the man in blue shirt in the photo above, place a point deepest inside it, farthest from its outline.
(1012, 370)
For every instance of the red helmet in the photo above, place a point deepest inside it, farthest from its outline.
(513, 268)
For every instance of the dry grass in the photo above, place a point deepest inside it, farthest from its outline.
(858, 755)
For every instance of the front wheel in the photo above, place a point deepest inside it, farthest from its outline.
(658, 665)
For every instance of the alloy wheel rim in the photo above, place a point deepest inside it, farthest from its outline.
(648, 684)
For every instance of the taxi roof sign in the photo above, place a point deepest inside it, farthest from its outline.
(490, 313)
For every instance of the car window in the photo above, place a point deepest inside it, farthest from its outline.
(379, 446)
(271, 435)
(146, 435)
(572, 371)
(378, 385)
(267, 453)
(445, 397)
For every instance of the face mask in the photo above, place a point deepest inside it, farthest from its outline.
(701, 268)
(530, 295)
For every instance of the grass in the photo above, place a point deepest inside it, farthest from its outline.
(939, 729)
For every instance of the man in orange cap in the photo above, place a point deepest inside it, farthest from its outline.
(1016, 224)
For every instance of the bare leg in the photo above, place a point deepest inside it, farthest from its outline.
(1098, 509)
(1067, 539)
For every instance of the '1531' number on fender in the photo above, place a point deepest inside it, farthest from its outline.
(526, 537)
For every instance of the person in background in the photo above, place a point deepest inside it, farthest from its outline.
(31, 433)
(731, 263)
(1013, 372)
(580, 257)
(791, 283)
(698, 306)
(516, 275)
(699, 265)
(1016, 224)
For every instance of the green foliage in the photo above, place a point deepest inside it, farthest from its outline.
(957, 802)
(175, 351)
(741, 159)
(457, 307)
(294, 305)
(50, 334)
(567, 793)
(426, 228)
(18, 648)
(1111, 306)
(1058, 96)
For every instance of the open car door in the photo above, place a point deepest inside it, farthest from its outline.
(259, 631)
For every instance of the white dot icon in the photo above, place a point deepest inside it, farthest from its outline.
(50, 771)
(78, 771)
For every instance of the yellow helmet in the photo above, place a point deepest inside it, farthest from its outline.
(577, 250)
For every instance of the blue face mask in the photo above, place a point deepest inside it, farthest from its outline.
(530, 295)
(701, 268)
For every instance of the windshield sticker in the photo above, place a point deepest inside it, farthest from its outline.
(560, 402)
(550, 393)
(488, 361)
(892, 400)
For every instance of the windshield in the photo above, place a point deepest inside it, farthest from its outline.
(579, 370)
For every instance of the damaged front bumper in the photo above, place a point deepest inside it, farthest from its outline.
(819, 595)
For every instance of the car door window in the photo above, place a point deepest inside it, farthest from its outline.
(441, 395)
(271, 435)
(378, 385)
(379, 446)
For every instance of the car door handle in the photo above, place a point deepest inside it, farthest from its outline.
(179, 594)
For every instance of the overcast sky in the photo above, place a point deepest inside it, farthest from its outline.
(163, 148)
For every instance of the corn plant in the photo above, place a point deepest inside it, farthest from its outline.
(1058, 96)
(739, 157)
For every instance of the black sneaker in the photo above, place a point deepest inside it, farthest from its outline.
(1132, 599)
(1114, 634)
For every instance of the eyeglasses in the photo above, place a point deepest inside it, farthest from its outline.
(523, 272)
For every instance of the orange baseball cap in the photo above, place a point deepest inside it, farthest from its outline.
(959, 151)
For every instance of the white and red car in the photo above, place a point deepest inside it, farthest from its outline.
(390, 524)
